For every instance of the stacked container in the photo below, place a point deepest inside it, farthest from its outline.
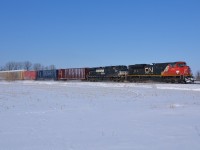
(47, 75)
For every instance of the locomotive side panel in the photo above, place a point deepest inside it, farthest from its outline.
(160, 67)
(138, 69)
(145, 72)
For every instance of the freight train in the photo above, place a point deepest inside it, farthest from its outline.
(173, 72)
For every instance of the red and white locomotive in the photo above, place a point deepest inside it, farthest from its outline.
(166, 72)
(178, 71)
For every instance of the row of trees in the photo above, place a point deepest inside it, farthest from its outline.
(27, 65)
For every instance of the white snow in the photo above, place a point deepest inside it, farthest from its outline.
(52, 115)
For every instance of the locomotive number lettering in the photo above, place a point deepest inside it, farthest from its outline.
(100, 70)
(148, 70)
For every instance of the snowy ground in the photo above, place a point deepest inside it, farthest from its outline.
(99, 116)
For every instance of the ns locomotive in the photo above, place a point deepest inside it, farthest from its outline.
(163, 72)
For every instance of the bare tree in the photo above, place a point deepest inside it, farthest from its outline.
(1, 68)
(10, 66)
(13, 66)
(198, 76)
(52, 67)
(27, 65)
(45, 68)
(18, 65)
(37, 66)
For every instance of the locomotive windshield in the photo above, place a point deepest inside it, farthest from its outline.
(172, 64)
(182, 65)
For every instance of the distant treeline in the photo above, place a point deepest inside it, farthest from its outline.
(26, 65)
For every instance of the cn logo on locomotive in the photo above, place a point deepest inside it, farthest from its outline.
(148, 70)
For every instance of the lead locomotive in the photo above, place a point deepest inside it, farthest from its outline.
(166, 72)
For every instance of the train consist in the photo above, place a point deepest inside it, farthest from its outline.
(173, 72)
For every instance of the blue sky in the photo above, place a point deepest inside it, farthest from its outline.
(89, 33)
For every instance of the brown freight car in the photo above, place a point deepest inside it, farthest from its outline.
(73, 74)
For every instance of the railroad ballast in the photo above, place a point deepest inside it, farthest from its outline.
(172, 72)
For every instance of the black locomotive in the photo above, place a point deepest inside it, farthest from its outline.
(108, 73)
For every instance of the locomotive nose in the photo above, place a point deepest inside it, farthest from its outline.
(187, 70)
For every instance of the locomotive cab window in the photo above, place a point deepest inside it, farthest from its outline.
(172, 65)
(181, 65)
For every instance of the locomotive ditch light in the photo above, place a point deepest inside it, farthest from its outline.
(189, 79)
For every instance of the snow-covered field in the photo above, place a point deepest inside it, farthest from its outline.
(99, 116)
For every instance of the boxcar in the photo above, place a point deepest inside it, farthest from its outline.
(30, 75)
(12, 75)
(3, 75)
(73, 74)
(47, 75)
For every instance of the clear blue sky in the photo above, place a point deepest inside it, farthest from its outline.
(88, 33)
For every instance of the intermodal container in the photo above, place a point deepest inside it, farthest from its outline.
(47, 75)
(30, 75)
(73, 74)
